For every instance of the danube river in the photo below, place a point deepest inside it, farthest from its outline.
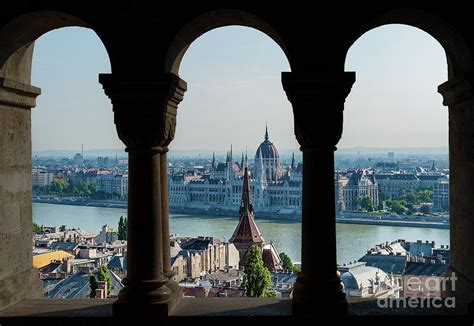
(352, 240)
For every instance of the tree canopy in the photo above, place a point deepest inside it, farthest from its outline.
(287, 263)
(36, 228)
(122, 228)
(257, 278)
(365, 203)
(62, 188)
(104, 276)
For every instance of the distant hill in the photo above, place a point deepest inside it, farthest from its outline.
(57, 153)
(203, 153)
(396, 150)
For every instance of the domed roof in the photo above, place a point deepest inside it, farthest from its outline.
(266, 148)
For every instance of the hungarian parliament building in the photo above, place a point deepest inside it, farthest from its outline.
(275, 189)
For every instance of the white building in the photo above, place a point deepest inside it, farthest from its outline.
(41, 178)
(361, 183)
(361, 281)
(113, 184)
(441, 195)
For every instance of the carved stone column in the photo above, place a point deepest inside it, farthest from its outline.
(18, 279)
(458, 95)
(318, 104)
(145, 118)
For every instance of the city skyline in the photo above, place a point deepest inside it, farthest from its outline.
(241, 74)
(365, 150)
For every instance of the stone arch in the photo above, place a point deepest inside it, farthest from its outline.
(458, 55)
(18, 36)
(209, 21)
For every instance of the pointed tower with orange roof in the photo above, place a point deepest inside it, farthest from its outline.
(247, 233)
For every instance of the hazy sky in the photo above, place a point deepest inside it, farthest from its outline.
(234, 88)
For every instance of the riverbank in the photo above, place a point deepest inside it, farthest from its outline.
(289, 216)
(365, 221)
(81, 202)
(353, 240)
(282, 215)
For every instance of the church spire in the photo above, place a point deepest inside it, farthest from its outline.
(246, 201)
(246, 159)
(246, 233)
(213, 160)
(242, 162)
(266, 131)
(293, 162)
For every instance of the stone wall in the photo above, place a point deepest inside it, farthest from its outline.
(18, 279)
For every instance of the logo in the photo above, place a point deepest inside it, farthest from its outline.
(423, 292)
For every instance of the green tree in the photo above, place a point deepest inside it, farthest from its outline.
(256, 276)
(415, 197)
(270, 294)
(122, 228)
(92, 189)
(93, 285)
(104, 276)
(36, 228)
(397, 206)
(425, 195)
(286, 262)
(365, 203)
(58, 186)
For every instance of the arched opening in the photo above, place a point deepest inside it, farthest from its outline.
(234, 89)
(458, 56)
(79, 168)
(73, 107)
(392, 167)
(209, 21)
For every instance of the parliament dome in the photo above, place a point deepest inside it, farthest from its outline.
(267, 149)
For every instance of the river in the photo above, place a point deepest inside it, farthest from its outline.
(352, 240)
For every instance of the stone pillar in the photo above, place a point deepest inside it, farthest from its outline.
(145, 117)
(318, 104)
(18, 278)
(458, 95)
(166, 224)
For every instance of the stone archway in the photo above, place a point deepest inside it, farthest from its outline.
(18, 279)
(458, 97)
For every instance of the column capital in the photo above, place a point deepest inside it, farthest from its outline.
(458, 89)
(145, 110)
(16, 94)
(318, 105)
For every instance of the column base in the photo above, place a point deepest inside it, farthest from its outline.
(20, 286)
(148, 298)
(311, 300)
(320, 305)
(173, 286)
(123, 309)
(320, 310)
